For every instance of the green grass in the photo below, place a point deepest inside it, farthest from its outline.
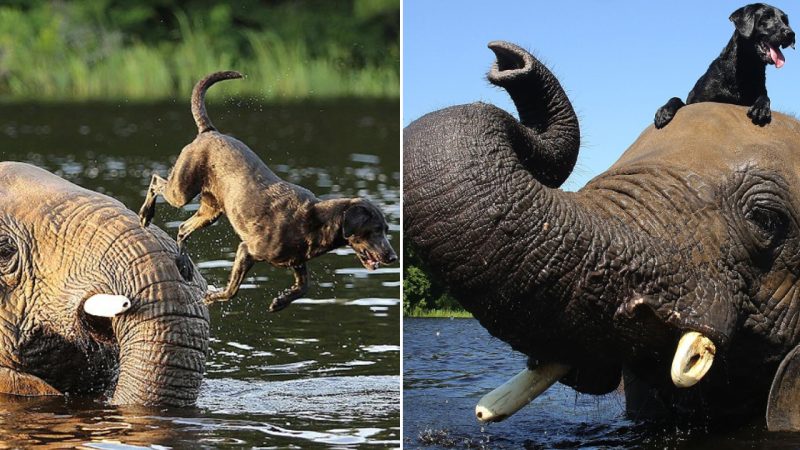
(48, 55)
(438, 313)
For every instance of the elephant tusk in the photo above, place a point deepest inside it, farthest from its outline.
(518, 392)
(106, 305)
(693, 359)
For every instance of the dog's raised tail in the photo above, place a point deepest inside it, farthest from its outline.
(199, 98)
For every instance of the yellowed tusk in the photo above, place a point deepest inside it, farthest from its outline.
(106, 305)
(693, 359)
(517, 392)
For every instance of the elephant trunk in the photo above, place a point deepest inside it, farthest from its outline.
(478, 206)
(162, 334)
(549, 123)
(162, 348)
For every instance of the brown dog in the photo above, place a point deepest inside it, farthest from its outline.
(278, 222)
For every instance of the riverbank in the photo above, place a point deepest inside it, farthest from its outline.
(437, 313)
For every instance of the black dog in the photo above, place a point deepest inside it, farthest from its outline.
(738, 76)
(278, 222)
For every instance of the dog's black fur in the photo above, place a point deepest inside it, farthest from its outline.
(278, 222)
(738, 75)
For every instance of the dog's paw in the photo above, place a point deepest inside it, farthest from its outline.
(214, 294)
(759, 114)
(146, 215)
(211, 297)
(278, 304)
(663, 116)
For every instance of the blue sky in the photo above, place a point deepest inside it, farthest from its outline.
(619, 61)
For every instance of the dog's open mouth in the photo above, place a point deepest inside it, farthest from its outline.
(368, 261)
(772, 54)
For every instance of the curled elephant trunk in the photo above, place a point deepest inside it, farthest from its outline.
(479, 206)
(549, 123)
(162, 348)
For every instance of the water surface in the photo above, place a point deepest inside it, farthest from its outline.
(449, 364)
(324, 371)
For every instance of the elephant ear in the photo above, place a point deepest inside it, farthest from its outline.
(783, 406)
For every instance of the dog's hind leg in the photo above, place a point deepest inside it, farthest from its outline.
(297, 290)
(241, 265)
(148, 209)
(665, 114)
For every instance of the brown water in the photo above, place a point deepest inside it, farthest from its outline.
(325, 371)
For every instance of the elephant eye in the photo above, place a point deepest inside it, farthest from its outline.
(8, 248)
(770, 225)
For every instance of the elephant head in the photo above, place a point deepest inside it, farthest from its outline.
(680, 264)
(91, 301)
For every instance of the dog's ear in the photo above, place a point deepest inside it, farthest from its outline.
(355, 217)
(744, 19)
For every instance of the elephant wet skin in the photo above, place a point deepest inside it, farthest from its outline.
(90, 301)
(678, 266)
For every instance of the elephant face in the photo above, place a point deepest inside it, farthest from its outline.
(724, 199)
(61, 246)
(679, 262)
(717, 201)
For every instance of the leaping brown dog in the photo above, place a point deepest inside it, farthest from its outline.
(278, 222)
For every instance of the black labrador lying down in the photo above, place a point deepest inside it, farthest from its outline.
(278, 222)
(738, 76)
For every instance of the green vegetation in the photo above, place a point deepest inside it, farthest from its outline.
(424, 296)
(157, 49)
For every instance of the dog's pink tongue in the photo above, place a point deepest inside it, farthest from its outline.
(777, 56)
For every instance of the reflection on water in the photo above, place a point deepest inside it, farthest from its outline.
(286, 412)
(450, 364)
(323, 372)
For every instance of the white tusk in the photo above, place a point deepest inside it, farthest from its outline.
(518, 392)
(693, 359)
(106, 305)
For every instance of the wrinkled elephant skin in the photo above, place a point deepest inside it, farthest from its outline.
(67, 253)
(683, 257)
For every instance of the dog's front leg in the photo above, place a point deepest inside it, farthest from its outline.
(293, 293)
(241, 265)
(148, 209)
(760, 112)
(205, 216)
